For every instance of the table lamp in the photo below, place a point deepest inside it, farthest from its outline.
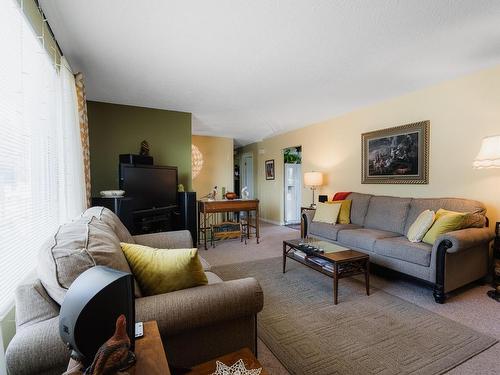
(489, 157)
(313, 180)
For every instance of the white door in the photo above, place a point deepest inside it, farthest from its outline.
(247, 174)
(293, 193)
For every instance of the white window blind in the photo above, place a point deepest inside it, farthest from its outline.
(41, 167)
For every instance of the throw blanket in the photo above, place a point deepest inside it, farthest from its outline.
(341, 195)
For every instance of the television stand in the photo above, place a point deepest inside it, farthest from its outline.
(155, 220)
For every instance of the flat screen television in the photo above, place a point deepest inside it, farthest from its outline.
(151, 186)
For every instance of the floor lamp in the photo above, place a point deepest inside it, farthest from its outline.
(489, 157)
(313, 180)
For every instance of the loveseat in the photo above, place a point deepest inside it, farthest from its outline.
(196, 324)
(379, 225)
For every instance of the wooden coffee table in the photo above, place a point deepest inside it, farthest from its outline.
(344, 261)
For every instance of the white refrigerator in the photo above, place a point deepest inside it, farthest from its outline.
(293, 193)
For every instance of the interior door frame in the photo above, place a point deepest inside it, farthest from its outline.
(245, 183)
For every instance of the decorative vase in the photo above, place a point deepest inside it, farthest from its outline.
(231, 195)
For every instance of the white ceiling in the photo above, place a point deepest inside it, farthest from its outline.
(249, 69)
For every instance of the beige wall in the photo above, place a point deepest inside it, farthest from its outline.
(461, 113)
(218, 164)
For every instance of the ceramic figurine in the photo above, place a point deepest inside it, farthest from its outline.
(114, 355)
(144, 148)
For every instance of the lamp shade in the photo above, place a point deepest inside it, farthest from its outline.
(489, 154)
(313, 178)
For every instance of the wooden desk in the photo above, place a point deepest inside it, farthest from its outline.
(206, 207)
(229, 359)
(149, 353)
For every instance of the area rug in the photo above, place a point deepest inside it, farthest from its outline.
(376, 334)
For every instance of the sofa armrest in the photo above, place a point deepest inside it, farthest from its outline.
(201, 306)
(179, 239)
(37, 349)
(465, 239)
(307, 216)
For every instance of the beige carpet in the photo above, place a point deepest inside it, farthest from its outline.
(470, 307)
(379, 334)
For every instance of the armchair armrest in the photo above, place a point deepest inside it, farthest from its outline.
(201, 306)
(465, 239)
(179, 239)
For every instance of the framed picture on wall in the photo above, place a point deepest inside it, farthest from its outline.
(270, 169)
(398, 155)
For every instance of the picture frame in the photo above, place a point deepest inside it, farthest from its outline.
(398, 155)
(269, 169)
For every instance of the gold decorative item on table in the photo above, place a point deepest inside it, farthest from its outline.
(231, 195)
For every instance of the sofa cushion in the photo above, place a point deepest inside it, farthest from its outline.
(109, 217)
(329, 231)
(477, 218)
(359, 207)
(401, 248)
(387, 213)
(363, 238)
(74, 248)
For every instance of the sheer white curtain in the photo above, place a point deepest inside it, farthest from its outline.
(41, 165)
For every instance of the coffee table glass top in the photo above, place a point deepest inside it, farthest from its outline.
(326, 247)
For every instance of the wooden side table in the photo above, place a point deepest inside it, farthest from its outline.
(245, 354)
(149, 353)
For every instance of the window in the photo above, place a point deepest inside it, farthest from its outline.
(41, 167)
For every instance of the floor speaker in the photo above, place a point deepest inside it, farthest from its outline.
(188, 217)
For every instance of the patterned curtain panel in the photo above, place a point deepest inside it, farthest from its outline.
(84, 131)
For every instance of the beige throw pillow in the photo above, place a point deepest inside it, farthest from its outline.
(421, 225)
(73, 249)
(327, 212)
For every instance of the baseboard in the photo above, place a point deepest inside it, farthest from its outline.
(272, 221)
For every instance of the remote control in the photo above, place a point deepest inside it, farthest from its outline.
(139, 330)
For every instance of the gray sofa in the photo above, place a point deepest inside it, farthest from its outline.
(379, 225)
(196, 324)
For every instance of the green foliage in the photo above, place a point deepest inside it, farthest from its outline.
(292, 156)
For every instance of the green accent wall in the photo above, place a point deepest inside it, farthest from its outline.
(116, 129)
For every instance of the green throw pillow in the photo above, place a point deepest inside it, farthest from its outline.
(161, 271)
(446, 221)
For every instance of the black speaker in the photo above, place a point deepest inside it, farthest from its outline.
(136, 159)
(188, 214)
(322, 198)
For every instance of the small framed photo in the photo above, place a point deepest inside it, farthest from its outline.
(398, 155)
(270, 169)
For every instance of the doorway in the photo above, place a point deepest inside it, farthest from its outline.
(246, 169)
(292, 159)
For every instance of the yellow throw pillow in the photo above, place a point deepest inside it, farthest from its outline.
(161, 271)
(327, 212)
(421, 226)
(446, 221)
(345, 211)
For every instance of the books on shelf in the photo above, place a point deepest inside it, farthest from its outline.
(300, 254)
(319, 261)
(328, 267)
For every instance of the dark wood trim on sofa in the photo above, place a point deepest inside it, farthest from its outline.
(439, 294)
